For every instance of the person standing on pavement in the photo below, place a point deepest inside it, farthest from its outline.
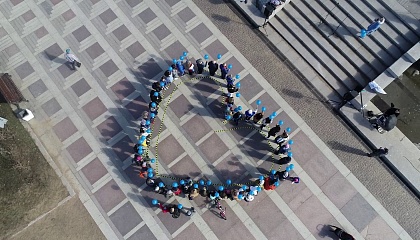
(341, 234)
(257, 117)
(273, 131)
(380, 152)
(73, 60)
(266, 122)
(200, 65)
(213, 67)
(249, 114)
(236, 117)
(224, 70)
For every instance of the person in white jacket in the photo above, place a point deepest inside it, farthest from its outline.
(73, 60)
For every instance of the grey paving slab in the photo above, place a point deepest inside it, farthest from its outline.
(210, 151)
(359, 212)
(196, 128)
(95, 50)
(215, 48)
(65, 70)
(94, 108)
(64, 129)
(51, 107)
(200, 33)
(175, 50)
(205, 87)
(304, 148)
(268, 102)
(136, 49)
(79, 149)
(133, 172)
(125, 218)
(180, 106)
(186, 14)
(109, 195)
(237, 66)
(169, 143)
(147, 15)
(186, 167)
(109, 128)
(24, 69)
(257, 147)
(319, 168)
(171, 3)
(94, 170)
(123, 148)
(109, 68)
(339, 190)
(80, 87)
(137, 106)
(231, 168)
(190, 232)
(143, 233)
(123, 88)
(288, 122)
(121, 32)
(108, 16)
(81, 33)
(249, 87)
(161, 32)
(150, 69)
(54, 51)
(294, 194)
(37, 88)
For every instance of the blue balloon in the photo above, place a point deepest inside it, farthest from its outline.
(228, 117)
(208, 183)
(276, 184)
(271, 117)
(237, 76)
(240, 196)
(206, 56)
(147, 122)
(153, 104)
(181, 58)
(152, 115)
(228, 182)
(149, 130)
(219, 56)
(263, 109)
(175, 184)
(273, 171)
(290, 154)
(174, 61)
(244, 187)
(184, 54)
(170, 69)
(150, 170)
(143, 137)
(161, 184)
(291, 142)
(292, 166)
(216, 194)
(154, 201)
(182, 182)
(156, 94)
(150, 175)
(221, 188)
(259, 189)
(281, 122)
(236, 110)
(230, 66)
(140, 151)
(238, 85)
(274, 114)
(201, 182)
(258, 102)
(238, 94)
(180, 206)
(162, 84)
(152, 160)
(140, 141)
(195, 185)
(288, 169)
(288, 129)
(239, 108)
(261, 177)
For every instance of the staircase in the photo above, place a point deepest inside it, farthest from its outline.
(325, 33)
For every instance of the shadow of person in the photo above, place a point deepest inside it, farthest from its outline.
(325, 231)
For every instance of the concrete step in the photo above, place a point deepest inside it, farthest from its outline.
(289, 31)
(346, 54)
(402, 14)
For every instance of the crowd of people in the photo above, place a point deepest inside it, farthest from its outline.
(187, 187)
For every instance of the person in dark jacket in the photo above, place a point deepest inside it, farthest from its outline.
(266, 121)
(257, 117)
(224, 70)
(341, 234)
(273, 131)
(392, 110)
(213, 67)
(236, 117)
(200, 65)
(380, 152)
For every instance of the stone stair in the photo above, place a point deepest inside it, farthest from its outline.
(325, 33)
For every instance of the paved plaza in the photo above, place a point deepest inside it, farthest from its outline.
(88, 122)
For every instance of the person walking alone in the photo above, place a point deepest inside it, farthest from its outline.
(380, 152)
(73, 60)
